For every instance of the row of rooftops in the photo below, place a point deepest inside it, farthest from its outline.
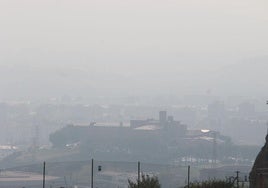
(163, 121)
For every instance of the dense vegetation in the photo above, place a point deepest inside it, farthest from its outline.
(211, 184)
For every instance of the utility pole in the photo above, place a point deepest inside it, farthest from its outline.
(237, 179)
(267, 121)
(188, 182)
(92, 168)
(139, 173)
(214, 152)
(44, 174)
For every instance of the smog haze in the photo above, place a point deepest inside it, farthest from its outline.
(132, 47)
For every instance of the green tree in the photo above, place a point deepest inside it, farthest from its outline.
(145, 182)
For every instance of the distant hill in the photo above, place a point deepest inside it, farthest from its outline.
(37, 82)
(244, 78)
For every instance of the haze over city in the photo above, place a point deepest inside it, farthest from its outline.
(139, 47)
(172, 84)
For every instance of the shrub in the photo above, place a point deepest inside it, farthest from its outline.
(145, 182)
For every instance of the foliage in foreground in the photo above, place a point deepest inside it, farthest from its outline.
(145, 182)
(211, 184)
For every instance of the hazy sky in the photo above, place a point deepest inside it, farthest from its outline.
(132, 38)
